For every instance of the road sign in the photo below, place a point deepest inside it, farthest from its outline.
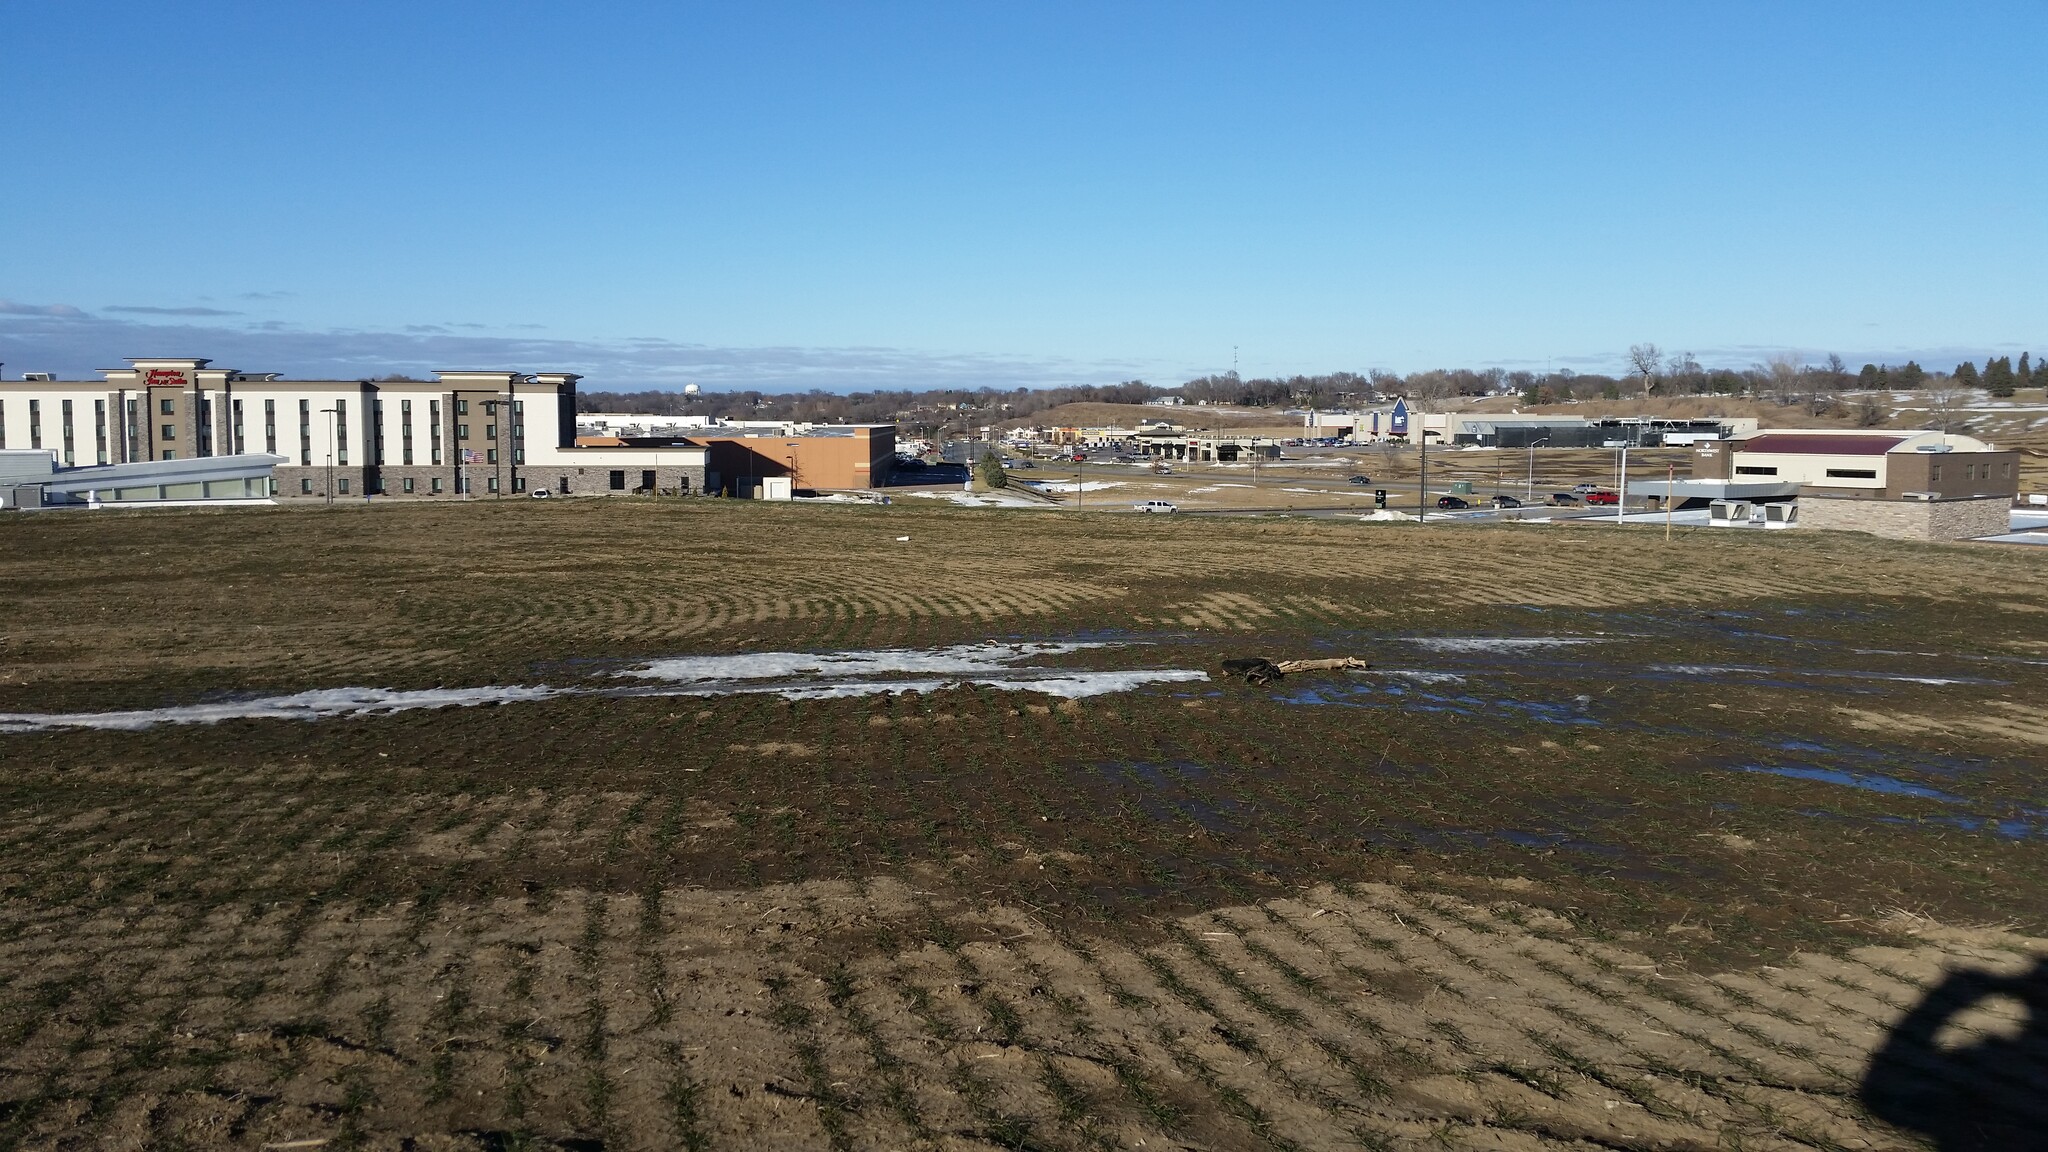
(1379, 497)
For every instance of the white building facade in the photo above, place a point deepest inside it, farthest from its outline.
(475, 433)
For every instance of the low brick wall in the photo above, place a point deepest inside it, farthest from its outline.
(1961, 519)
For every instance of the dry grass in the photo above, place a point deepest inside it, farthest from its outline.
(1542, 905)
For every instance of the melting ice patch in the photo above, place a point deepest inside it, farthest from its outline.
(1496, 643)
(1711, 670)
(792, 675)
(320, 704)
(823, 676)
(959, 658)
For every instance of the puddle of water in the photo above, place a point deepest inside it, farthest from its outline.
(2008, 828)
(1867, 782)
(1167, 799)
(1359, 692)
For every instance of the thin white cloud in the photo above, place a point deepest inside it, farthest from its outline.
(150, 310)
(72, 343)
(16, 308)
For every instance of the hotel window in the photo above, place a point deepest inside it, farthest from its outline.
(341, 485)
(519, 483)
(434, 433)
(305, 433)
(462, 407)
(1756, 470)
(462, 431)
(168, 407)
(170, 433)
(270, 426)
(490, 455)
(618, 480)
(134, 429)
(1853, 473)
(65, 408)
(490, 484)
(238, 428)
(519, 455)
(490, 431)
(490, 407)
(170, 453)
(306, 487)
(99, 430)
(434, 485)
(35, 423)
(341, 433)
(203, 434)
(375, 449)
(405, 435)
(406, 484)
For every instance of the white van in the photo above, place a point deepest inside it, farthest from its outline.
(1157, 506)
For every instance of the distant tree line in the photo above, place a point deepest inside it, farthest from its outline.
(1781, 379)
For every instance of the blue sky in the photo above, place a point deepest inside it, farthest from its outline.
(894, 194)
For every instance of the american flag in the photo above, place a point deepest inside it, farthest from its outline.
(472, 456)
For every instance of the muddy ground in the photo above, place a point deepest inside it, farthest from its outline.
(1618, 844)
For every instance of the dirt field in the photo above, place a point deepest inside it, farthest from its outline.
(1733, 842)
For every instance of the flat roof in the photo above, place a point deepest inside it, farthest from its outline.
(1822, 444)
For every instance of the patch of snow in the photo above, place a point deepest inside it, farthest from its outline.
(992, 499)
(1496, 643)
(1421, 677)
(1889, 677)
(802, 676)
(319, 704)
(873, 662)
(1069, 485)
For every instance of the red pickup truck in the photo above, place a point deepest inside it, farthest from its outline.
(1602, 498)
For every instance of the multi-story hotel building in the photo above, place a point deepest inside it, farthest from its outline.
(464, 433)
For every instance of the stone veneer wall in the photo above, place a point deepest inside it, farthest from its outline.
(1962, 519)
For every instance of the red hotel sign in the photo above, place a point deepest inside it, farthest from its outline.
(165, 378)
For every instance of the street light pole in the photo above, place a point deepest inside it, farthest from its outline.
(1529, 493)
(330, 455)
(1621, 490)
(1422, 480)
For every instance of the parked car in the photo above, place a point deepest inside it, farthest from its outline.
(1505, 501)
(1157, 506)
(541, 493)
(1602, 498)
(1358, 480)
(1582, 489)
(1563, 498)
(1026, 464)
(1078, 458)
(1452, 502)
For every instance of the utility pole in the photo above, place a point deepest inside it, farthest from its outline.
(1529, 493)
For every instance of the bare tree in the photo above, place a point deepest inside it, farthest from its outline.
(1945, 399)
(1644, 360)
(1781, 375)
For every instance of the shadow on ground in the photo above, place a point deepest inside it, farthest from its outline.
(1989, 1093)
